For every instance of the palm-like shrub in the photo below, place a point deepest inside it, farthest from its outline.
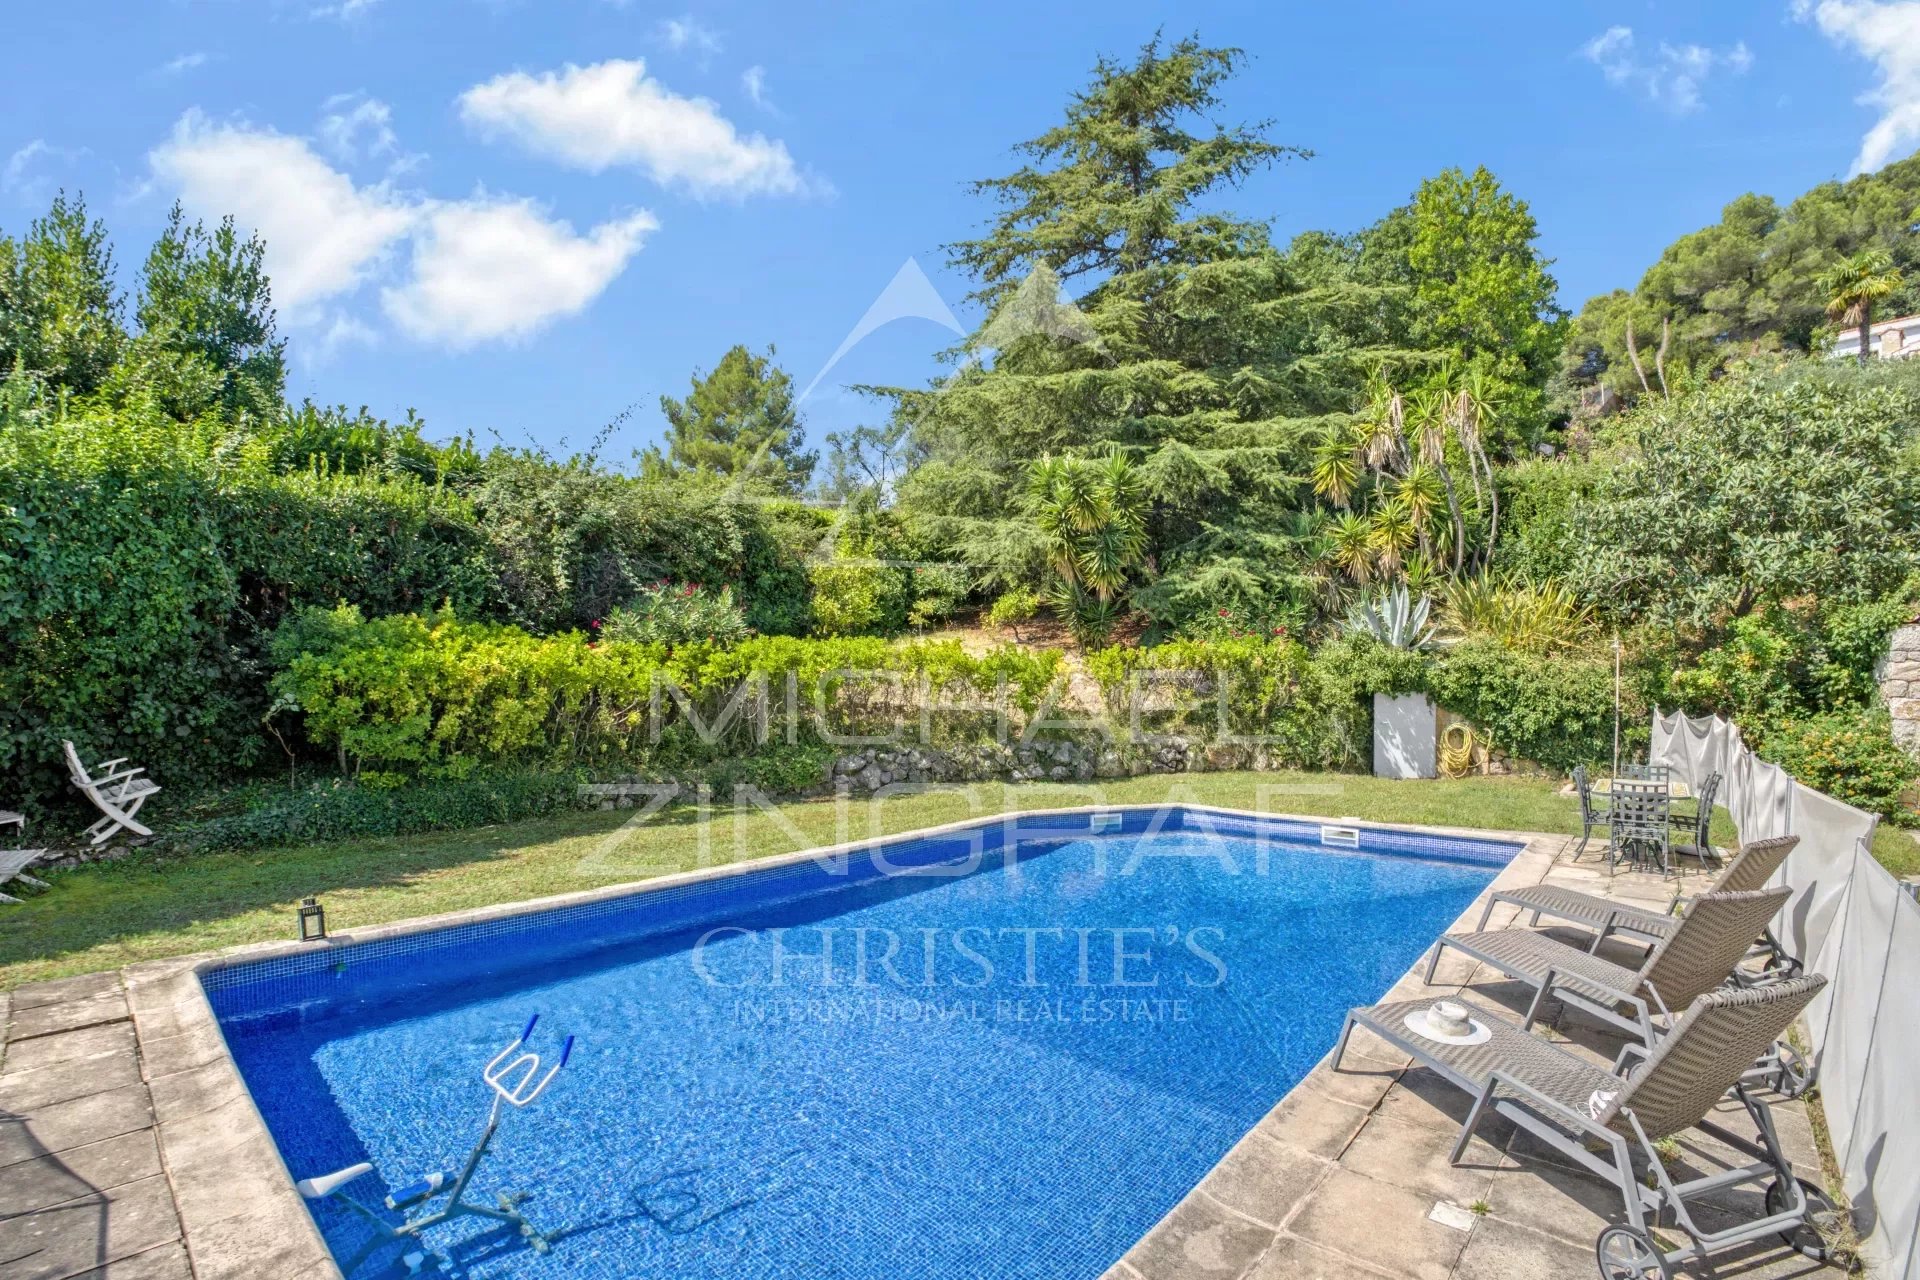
(1092, 517)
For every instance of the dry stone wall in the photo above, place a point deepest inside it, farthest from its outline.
(1900, 686)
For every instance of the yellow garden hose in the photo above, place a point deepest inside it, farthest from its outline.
(1456, 752)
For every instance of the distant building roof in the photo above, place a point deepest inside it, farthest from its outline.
(1894, 339)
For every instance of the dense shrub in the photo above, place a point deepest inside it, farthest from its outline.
(1554, 711)
(1758, 674)
(1759, 487)
(773, 770)
(1539, 510)
(857, 598)
(938, 591)
(146, 561)
(1361, 666)
(677, 613)
(435, 696)
(1014, 606)
(1780, 663)
(1267, 621)
(1850, 755)
(570, 542)
(116, 608)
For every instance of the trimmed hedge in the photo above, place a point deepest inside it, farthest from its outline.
(1273, 690)
(433, 696)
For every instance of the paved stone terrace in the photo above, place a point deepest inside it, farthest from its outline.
(1348, 1176)
(108, 1142)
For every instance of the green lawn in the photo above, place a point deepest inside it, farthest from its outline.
(106, 916)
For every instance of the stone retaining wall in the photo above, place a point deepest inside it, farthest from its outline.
(1900, 686)
(870, 769)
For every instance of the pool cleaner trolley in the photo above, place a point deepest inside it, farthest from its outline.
(516, 1082)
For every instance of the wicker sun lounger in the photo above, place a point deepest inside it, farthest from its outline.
(1751, 868)
(1606, 1121)
(1699, 955)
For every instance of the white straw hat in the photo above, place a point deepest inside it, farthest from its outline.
(1448, 1022)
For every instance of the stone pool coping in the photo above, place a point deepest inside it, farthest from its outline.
(239, 1213)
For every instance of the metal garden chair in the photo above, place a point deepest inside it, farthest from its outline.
(1592, 813)
(1640, 822)
(1701, 820)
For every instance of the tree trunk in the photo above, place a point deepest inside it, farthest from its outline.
(1459, 526)
(1493, 503)
(1866, 332)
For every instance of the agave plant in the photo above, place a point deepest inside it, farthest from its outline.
(1395, 618)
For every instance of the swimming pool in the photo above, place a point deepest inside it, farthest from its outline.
(1006, 1049)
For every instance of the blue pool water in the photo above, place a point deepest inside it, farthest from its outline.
(1009, 1060)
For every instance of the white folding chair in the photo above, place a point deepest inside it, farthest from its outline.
(116, 792)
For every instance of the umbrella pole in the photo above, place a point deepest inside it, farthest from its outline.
(1616, 704)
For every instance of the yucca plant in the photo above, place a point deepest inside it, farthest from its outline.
(1422, 576)
(1092, 517)
(1393, 534)
(1351, 539)
(1336, 466)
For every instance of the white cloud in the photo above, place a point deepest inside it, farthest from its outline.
(687, 32)
(1887, 33)
(181, 65)
(486, 269)
(754, 81)
(355, 124)
(332, 334)
(324, 236)
(1612, 50)
(454, 273)
(612, 113)
(344, 10)
(1672, 77)
(19, 177)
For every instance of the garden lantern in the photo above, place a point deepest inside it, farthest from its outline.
(313, 920)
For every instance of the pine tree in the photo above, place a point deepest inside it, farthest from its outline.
(738, 421)
(1207, 357)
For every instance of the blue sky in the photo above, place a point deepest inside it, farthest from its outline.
(523, 219)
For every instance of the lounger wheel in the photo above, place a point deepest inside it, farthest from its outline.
(1626, 1253)
(1823, 1223)
(1794, 1076)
